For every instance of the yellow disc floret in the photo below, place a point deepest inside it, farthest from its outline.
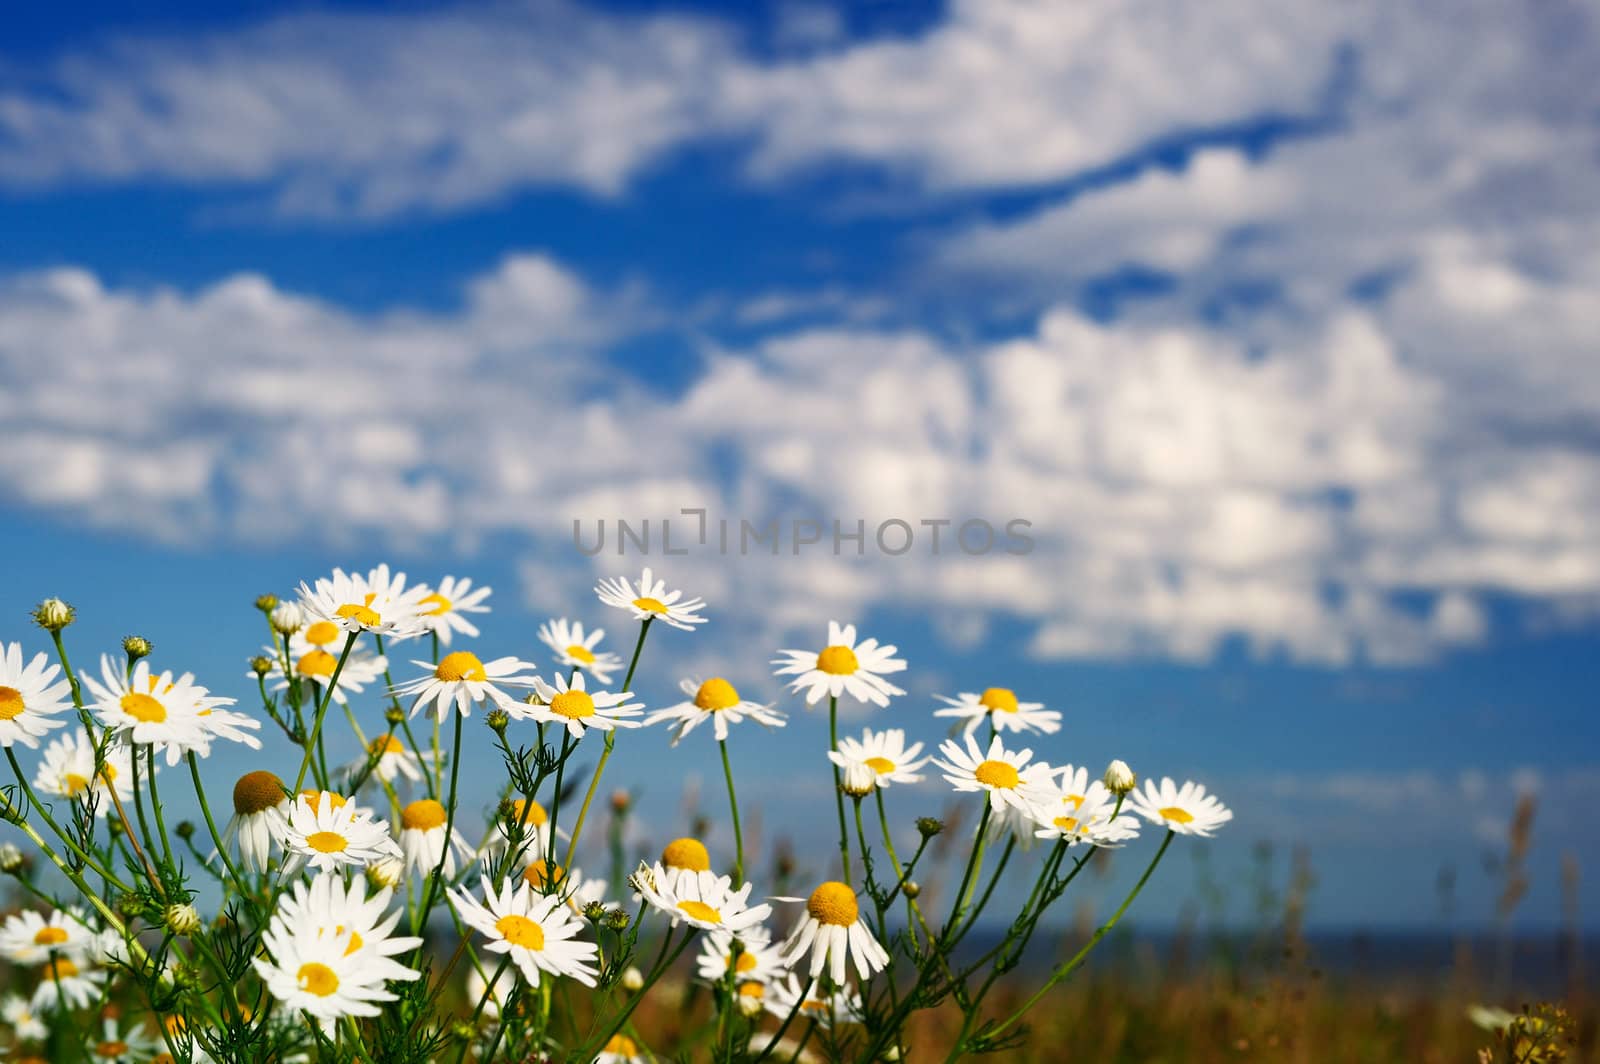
(50, 936)
(690, 854)
(143, 708)
(520, 931)
(838, 661)
(1000, 774)
(317, 979)
(650, 605)
(538, 875)
(699, 910)
(327, 842)
(833, 903)
(256, 792)
(1176, 815)
(11, 705)
(579, 652)
(424, 814)
(462, 665)
(321, 633)
(999, 699)
(317, 664)
(716, 693)
(574, 705)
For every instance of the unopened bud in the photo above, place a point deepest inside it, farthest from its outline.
(53, 615)
(910, 889)
(286, 618)
(136, 647)
(749, 1005)
(497, 719)
(632, 980)
(858, 780)
(594, 911)
(266, 603)
(130, 904)
(260, 665)
(182, 919)
(185, 830)
(394, 716)
(1119, 778)
(11, 859)
(929, 826)
(386, 873)
(617, 920)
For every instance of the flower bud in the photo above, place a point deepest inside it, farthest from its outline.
(53, 615)
(184, 830)
(594, 911)
(136, 647)
(618, 920)
(929, 826)
(910, 889)
(394, 716)
(286, 618)
(1119, 778)
(130, 904)
(181, 919)
(632, 979)
(497, 719)
(11, 859)
(858, 780)
(266, 603)
(748, 1005)
(260, 665)
(386, 873)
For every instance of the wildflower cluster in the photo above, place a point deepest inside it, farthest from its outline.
(350, 909)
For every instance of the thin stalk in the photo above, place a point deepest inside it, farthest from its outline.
(838, 795)
(611, 742)
(449, 828)
(322, 711)
(733, 802)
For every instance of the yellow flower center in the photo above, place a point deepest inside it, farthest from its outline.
(623, 1045)
(143, 708)
(813, 1005)
(880, 764)
(361, 612)
(1074, 800)
(579, 652)
(997, 774)
(256, 792)
(112, 1049)
(75, 784)
(699, 910)
(317, 979)
(746, 962)
(1176, 815)
(50, 936)
(424, 814)
(314, 800)
(716, 693)
(690, 854)
(439, 603)
(462, 665)
(538, 876)
(650, 605)
(385, 744)
(11, 706)
(316, 663)
(574, 705)
(838, 660)
(1066, 823)
(528, 813)
(520, 931)
(999, 699)
(321, 633)
(326, 842)
(752, 990)
(833, 903)
(57, 968)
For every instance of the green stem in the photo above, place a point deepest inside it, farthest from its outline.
(155, 802)
(449, 828)
(216, 837)
(838, 794)
(322, 711)
(611, 742)
(733, 802)
(38, 807)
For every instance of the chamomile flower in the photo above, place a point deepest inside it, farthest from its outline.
(1012, 784)
(260, 816)
(1187, 810)
(704, 900)
(620, 1049)
(576, 650)
(649, 600)
(122, 1043)
(717, 701)
(325, 975)
(757, 960)
(19, 1013)
(378, 602)
(314, 653)
(682, 859)
(1089, 817)
(330, 907)
(885, 753)
(29, 697)
(422, 839)
(462, 681)
(32, 938)
(999, 706)
(444, 609)
(571, 885)
(832, 931)
(537, 931)
(843, 666)
(574, 707)
(524, 822)
(330, 834)
(841, 1006)
(68, 766)
(393, 760)
(490, 987)
(158, 709)
(64, 982)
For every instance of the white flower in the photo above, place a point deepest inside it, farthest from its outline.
(24, 1021)
(570, 885)
(393, 759)
(843, 666)
(493, 992)
(680, 859)
(29, 700)
(842, 1006)
(377, 602)
(329, 831)
(649, 600)
(717, 701)
(332, 908)
(31, 938)
(314, 658)
(462, 681)
(537, 931)
(287, 618)
(158, 709)
(68, 766)
(885, 753)
(422, 839)
(758, 961)
(528, 824)
(832, 930)
(443, 610)
(1119, 778)
(999, 706)
(1010, 781)
(121, 1042)
(1088, 816)
(576, 708)
(576, 650)
(260, 814)
(620, 1049)
(704, 900)
(63, 981)
(1187, 810)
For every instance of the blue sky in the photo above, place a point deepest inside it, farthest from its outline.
(1287, 359)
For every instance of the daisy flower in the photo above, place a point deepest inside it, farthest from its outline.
(149, 708)
(31, 938)
(314, 656)
(704, 900)
(537, 931)
(331, 908)
(832, 930)
(575, 708)
(576, 650)
(620, 1049)
(326, 975)
(683, 859)
(717, 701)
(885, 753)
(842, 1006)
(758, 960)
(570, 885)
(378, 602)
(463, 681)
(393, 759)
(649, 600)
(330, 834)
(422, 839)
(492, 992)
(843, 666)
(260, 815)
(444, 610)
(1187, 810)
(999, 706)
(26, 1026)
(68, 766)
(1088, 817)
(29, 700)
(119, 1043)
(1012, 784)
(63, 983)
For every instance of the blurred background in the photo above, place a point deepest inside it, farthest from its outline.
(1274, 323)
